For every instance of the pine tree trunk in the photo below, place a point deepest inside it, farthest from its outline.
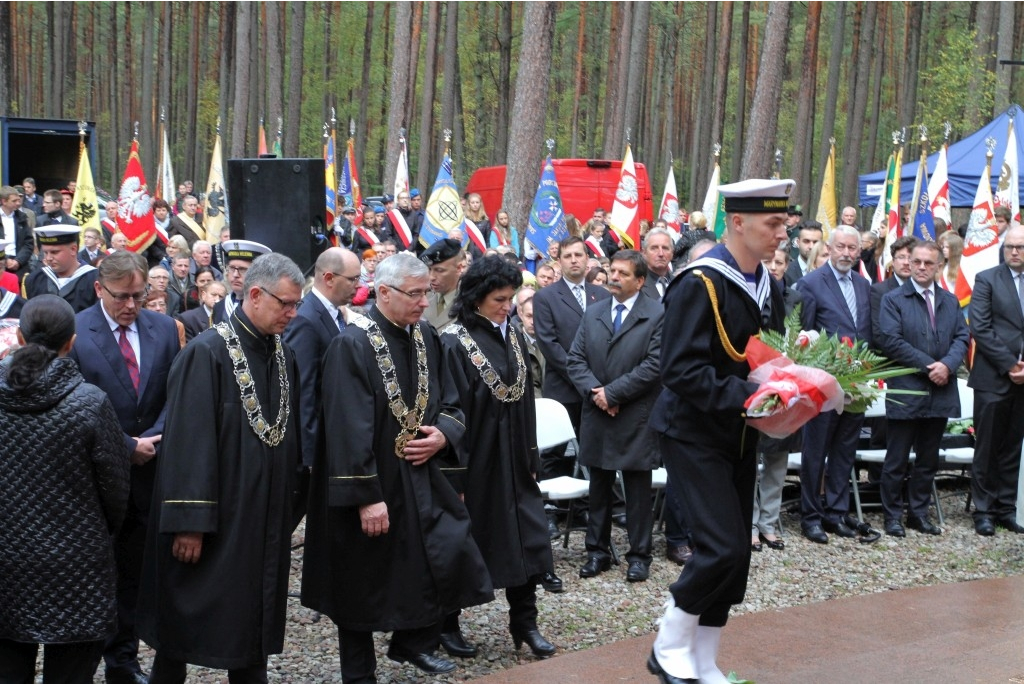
(634, 89)
(414, 56)
(803, 140)
(908, 103)
(876, 100)
(243, 29)
(722, 73)
(6, 59)
(400, 40)
(427, 134)
(741, 95)
(828, 124)
(450, 66)
(526, 135)
(700, 170)
(500, 152)
(275, 71)
(295, 71)
(759, 151)
(855, 122)
(364, 102)
(149, 117)
(1004, 49)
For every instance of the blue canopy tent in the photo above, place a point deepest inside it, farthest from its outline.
(966, 160)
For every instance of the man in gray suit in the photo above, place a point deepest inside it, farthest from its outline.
(997, 324)
(614, 364)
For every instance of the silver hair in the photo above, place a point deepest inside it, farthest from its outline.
(658, 231)
(843, 229)
(393, 271)
(268, 269)
(201, 243)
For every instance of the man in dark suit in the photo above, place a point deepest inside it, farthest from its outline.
(127, 351)
(198, 319)
(658, 248)
(997, 324)
(808, 236)
(321, 317)
(53, 211)
(921, 328)
(14, 230)
(614, 363)
(836, 300)
(92, 248)
(900, 252)
(557, 312)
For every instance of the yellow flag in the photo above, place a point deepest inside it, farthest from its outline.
(216, 204)
(828, 214)
(85, 206)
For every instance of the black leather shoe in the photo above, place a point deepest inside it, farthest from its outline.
(126, 675)
(638, 572)
(1010, 524)
(534, 640)
(679, 555)
(428, 663)
(551, 583)
(815, 533)
(775, 544)
(923, 525)
(455, 644)
(984, 526)
(839, 528)
(895, 529)
(594, 566)
(619, 520)
(664, 676)
(755, 546)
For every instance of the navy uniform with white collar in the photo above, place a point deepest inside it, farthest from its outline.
(235, 250)
(77, 288)
(711, 311)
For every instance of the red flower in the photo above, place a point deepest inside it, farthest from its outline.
(848, 342)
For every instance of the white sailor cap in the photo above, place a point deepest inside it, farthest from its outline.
(758, 195)
(56, 234)
(247, 250)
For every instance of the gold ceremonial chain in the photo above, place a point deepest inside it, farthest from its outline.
(272, 436)
(483, 365)
(733, 353)
(409, 419)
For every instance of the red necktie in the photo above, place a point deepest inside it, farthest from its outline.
(129, 356)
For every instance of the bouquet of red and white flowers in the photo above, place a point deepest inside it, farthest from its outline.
(8, 336)
(804, 373)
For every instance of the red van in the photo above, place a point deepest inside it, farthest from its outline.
(584, 184)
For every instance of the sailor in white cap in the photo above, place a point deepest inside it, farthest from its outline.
(62, 274)
(711, 311)
(238, 255)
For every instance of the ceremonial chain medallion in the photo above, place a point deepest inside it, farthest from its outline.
(272, 436)
(409, 419)
(483, 365)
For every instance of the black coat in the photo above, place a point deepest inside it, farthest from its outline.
(907, 339)
(22, 240)
(216, 477)
(997, 326)
(627, 365)
(500, 451)
(427, 565)
(63, 493)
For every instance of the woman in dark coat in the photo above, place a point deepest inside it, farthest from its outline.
(489, 362)
(63, 494)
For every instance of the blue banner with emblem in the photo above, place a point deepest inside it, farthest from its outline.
(547, 220)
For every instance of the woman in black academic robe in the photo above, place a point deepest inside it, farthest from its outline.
(499, 447)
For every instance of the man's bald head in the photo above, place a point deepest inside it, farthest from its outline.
(337, 275)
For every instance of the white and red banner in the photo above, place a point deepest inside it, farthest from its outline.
(938, 189)
(625, 216)
(402, 173)
(595, 246)
(474, 235)
(669, 212)
(134, 206)
(367, 235)
(401, 228)
(981, 244)
(1007, 190)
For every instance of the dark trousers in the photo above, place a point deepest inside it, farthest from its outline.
(832, 437)
(639, 517)
(677, 531)
(999, 426)
(924, 436)
(166, 670)
(359, 661)
(300, 496)
(73, 662)
(122, 649)
(716, 487)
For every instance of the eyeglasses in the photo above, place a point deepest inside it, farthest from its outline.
(1013, 248)
(351, 279)
(417, 295)
(238, 270)
(285, 305)
(121, 298)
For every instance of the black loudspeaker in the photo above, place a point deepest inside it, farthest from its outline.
(280, 203)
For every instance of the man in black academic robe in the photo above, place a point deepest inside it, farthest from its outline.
(388, 541)
(215, 576)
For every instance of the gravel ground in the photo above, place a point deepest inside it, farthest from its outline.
(605, 609)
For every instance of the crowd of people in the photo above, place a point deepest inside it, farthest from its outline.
(219, 397)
